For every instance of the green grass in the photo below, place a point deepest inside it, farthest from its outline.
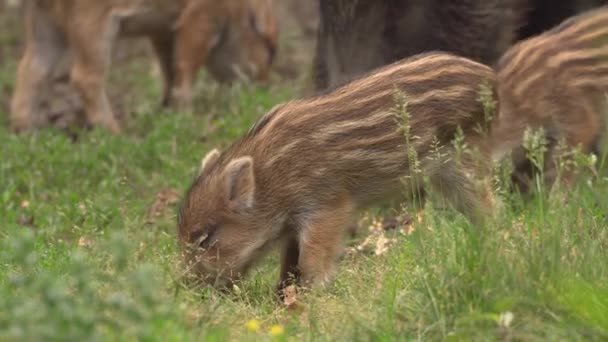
(80, 258)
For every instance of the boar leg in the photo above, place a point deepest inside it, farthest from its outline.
(450, 179)
(580, 130)
(320, 242)
(91, 37)
(164, 48)
(192, 44)
(44, 47)
(289, 264)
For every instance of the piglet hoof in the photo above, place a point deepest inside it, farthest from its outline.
(20, 126)
(180, 99)
(110, 124)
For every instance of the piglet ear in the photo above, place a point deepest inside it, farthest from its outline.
(240, 183)
(209, 160)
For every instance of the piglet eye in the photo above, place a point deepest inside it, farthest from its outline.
(200, 239)
(207, 237)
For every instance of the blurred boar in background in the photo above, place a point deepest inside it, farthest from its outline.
(357, 36)
(544, 14)
(557, 81)
(233, 38)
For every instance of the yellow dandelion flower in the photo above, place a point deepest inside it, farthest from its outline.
(276, 330)
(253, 325)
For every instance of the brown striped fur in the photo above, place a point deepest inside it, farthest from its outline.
(231, 37)
(558, 81)
(305, 168)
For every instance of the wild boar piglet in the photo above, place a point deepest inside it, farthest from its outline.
(556, 81)
(301, 173)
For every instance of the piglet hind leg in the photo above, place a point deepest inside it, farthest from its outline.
(44, 47)
(454, 181)
(578, 131)
(163, 44)
(289, 274)
(192, 42)
(321, 241)
(91, 37)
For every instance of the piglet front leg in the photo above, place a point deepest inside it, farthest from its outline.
(321, 241)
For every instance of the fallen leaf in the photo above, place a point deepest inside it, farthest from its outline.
(164, 199)
(506, 318)
(26, 221)
(289, 295)
(390, 223)
(84, 242)
(382, 244)
(401, 222)
(290, 299)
